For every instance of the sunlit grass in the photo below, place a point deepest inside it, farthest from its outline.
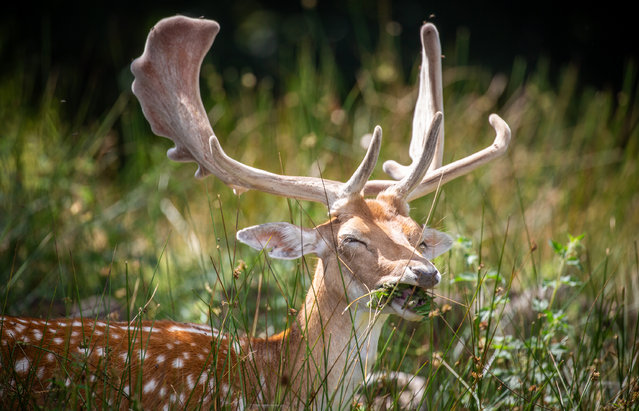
(531, 312)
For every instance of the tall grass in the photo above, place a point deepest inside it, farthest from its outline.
(539, 300)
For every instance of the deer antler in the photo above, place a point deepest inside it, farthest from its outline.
(455, 169)
(167, 86)
(430, 102)
(420, 165)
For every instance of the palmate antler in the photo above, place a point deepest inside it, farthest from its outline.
(430, 102)
(167, 86)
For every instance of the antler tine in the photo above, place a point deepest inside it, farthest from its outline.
(467, 164)
(455, 169)
(167, 86)
(405, 186)
(429, 101)
(356, 183)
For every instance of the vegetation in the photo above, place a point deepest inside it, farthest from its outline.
(538, 303)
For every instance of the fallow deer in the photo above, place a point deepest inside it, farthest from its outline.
(369, 241)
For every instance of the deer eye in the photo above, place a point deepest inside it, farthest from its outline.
(352, 241)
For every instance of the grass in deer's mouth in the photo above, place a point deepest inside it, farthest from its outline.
(408, 296)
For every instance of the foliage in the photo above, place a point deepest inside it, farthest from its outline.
(413, 298)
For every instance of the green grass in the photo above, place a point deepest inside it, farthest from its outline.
(540, 294)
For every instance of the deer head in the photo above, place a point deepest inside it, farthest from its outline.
(375, 239)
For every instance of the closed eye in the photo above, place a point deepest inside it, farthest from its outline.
(352, 241)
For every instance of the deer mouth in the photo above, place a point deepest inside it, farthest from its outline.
(409, 301)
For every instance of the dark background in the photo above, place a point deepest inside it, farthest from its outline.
(89, 46)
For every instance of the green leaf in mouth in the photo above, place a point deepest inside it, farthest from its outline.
(411, 297)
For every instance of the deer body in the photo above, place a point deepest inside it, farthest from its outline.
(330, 346)
(157, 363)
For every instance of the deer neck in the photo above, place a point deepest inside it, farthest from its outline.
(341, 339)
(326, 352)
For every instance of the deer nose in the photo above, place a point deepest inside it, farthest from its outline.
(426, 276)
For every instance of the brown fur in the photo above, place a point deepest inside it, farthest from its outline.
(149, 363)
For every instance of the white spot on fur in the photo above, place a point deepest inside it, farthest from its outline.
(50, 357)
(22, 366)
(76, 324)
(19, 328)
(192, 330)
(149, 386)
(189, 382)
(224, 388)
(178, 363)
(160, 358)
(236, 346)
(58, 340)
(37, 334)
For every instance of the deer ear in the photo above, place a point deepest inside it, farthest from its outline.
(285, 241)
(437, 242)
